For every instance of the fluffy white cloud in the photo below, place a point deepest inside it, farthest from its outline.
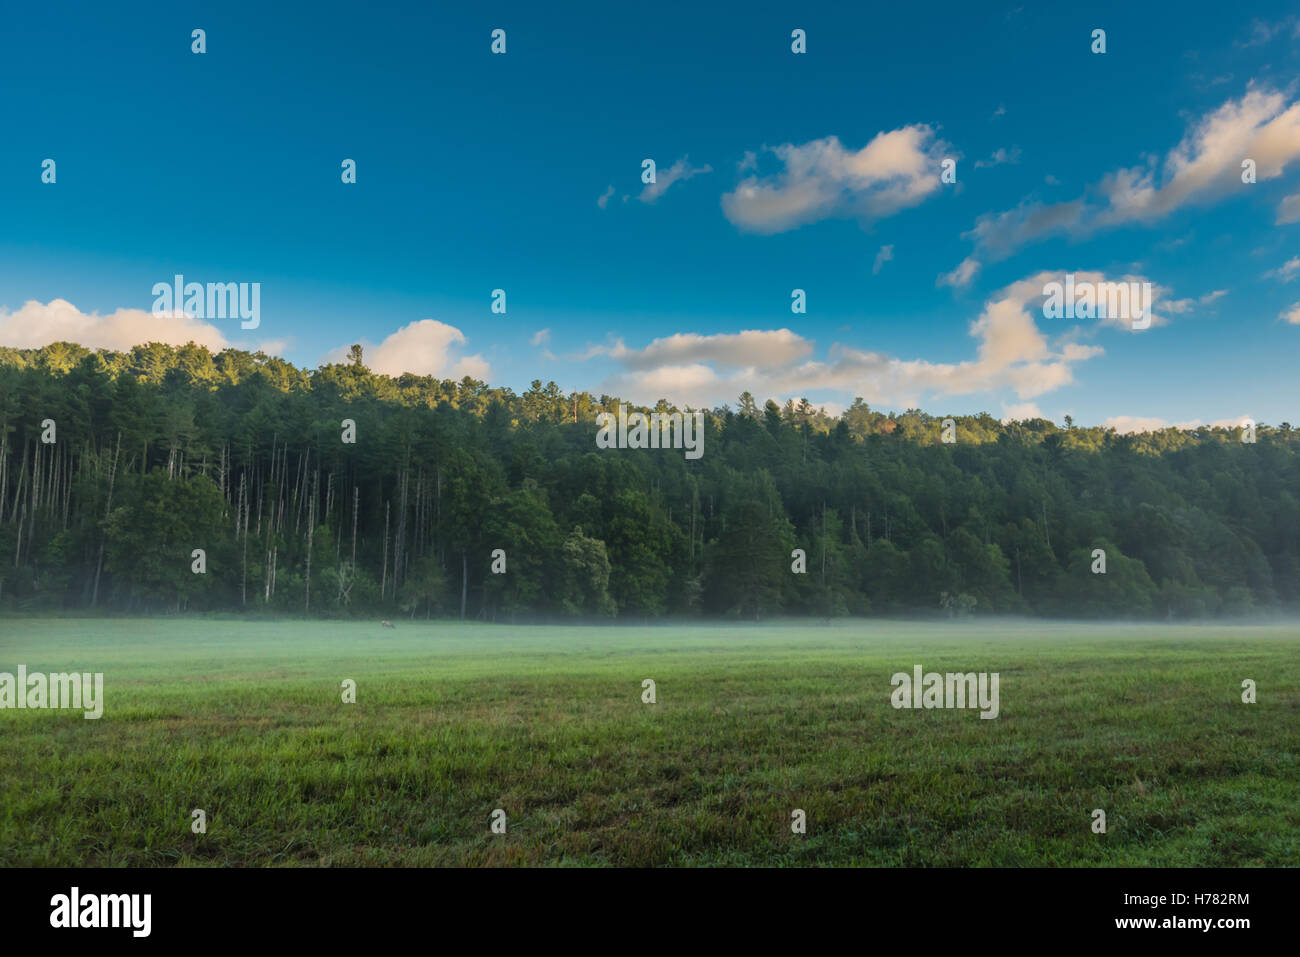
(679, 172)
(1292, 315)
(1011, 354)
(1021, 412)
(426, 347)
(885, 255)
(1203, 167)
(822, 180)
(38, 324)
(273, 347)
(603, 199)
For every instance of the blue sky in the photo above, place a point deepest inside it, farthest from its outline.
(478, 171)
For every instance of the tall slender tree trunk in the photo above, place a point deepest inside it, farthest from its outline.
(356, 498)
(383, 582)
(99, 564)
(311, 527)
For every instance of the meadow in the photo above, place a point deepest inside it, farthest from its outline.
(245, 720)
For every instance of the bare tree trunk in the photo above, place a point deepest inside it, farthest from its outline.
(108, 506)
(243, 573)
(18, 490)
(464, 582)
(356, 497)
(383, 582)
(311, 527)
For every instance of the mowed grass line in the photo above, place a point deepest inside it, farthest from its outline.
(245, 720)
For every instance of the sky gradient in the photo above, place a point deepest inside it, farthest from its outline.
(775, 171)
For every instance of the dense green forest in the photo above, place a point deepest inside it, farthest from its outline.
(115, 467)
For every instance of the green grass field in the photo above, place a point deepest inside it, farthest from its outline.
(245, 720)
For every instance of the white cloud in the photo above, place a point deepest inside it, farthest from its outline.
(272, 347)
(1000, 156)
(680, 171)
(885, 255)
(1285, 272)
(1011, 354)
(1021, 412)
(962, 275)
(476, 367)
(38, 324)
(1204, 166)
(1130, 424)
(1292, 315)
(1180, 306)
(603, 199)
(542, 337)
(823, 180)
(425, 347)
(753, 347)
(1261, 31)
(1288, 211)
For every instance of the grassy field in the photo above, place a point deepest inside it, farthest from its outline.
(246, 721)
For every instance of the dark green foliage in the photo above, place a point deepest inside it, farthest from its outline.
(164, 450)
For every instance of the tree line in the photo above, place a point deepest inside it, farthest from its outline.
(115, 467)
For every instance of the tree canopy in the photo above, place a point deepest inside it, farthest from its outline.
(116, 466)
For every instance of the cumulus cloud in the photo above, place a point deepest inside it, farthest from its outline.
(885, 255)
(38, 324)
(1021, 411)
(679, 172)
(1292, 315)
(426, 347)
(1203, 167)
(822, 179)
(1011, 354)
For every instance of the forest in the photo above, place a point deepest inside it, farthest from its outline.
(170, 479)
